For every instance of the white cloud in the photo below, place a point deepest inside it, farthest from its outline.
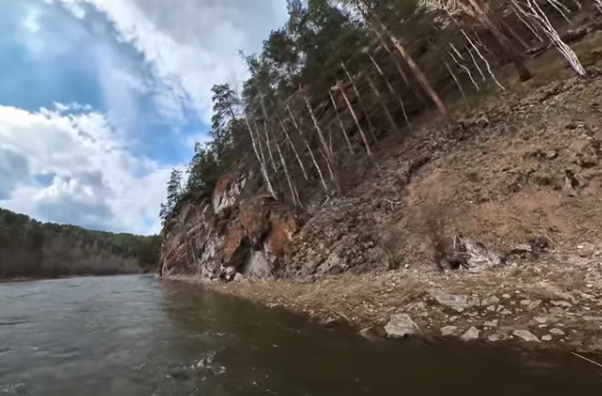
(95, 182)
(76, 10)
(32, 21)
(193, 44)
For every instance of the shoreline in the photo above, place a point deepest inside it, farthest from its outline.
(22, 280)
(535, 305)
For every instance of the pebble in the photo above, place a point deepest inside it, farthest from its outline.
(493, 338)
(562, 303)
(506, 296)
(547, 337)
(491, 308)
(526, 335)
(541, 319)
(448, 330)
(493, 300)
(557, 332)
(471, 334)
(525, 302)
(491, 323)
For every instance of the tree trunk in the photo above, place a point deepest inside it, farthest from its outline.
(465, 69)
(341, 125)
(289, 140)
(398, 67)
(262, 166)
(472, 44)
(268, 144)
(311, 153)
(359, 99)
(390, 88)
(289, 180)
(457, 83)
(357, 122)
(327, 154)
(383, 104)
(517, 38)
(524, 21)
(487, 20)
(426, 85)
(552, 33)
(418, 73)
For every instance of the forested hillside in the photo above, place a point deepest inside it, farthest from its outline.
(30, 249)
(343, 74)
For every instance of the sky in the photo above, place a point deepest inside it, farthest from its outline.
(100, 99)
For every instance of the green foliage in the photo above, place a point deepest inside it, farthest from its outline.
(203, 170)
(30, 249)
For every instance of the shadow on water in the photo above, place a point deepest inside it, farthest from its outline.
(273, 351)
(136, 336)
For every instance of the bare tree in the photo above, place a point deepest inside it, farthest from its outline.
(390, 88)
(341, 89)
(261, 159)
(534, 11)
(341, 125)
(289, 179)
(288, 139)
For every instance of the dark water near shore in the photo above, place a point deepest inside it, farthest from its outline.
(135, 335)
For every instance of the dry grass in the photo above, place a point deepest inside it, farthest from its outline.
(359, 300)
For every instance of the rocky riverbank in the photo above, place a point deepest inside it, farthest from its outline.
(554, 301)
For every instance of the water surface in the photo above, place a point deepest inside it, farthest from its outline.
(138, 336)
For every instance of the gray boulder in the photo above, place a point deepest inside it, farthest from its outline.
(401, 325)
(525, 335)
(471, 334)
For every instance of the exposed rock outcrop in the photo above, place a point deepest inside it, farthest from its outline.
(234, 231)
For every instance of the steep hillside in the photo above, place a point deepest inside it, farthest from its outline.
(30, 249)
(482, 215)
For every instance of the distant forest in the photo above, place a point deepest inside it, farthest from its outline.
(30, 249)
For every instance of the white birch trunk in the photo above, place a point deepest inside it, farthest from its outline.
(357, 122)
(289, 140)
(390, 88)
(341, 125)
(457, 83)
(311, 153)
(327, 154)
(289, 180)
(261, 160)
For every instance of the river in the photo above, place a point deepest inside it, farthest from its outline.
(138, 336)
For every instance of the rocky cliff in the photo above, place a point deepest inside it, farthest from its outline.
(524, 167)
(236, 230)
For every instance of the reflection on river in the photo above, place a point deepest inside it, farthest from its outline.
(135, 335)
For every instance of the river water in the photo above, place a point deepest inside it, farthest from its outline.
(138, 336)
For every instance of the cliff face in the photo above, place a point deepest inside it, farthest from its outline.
(236, 230)
(521, 169)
